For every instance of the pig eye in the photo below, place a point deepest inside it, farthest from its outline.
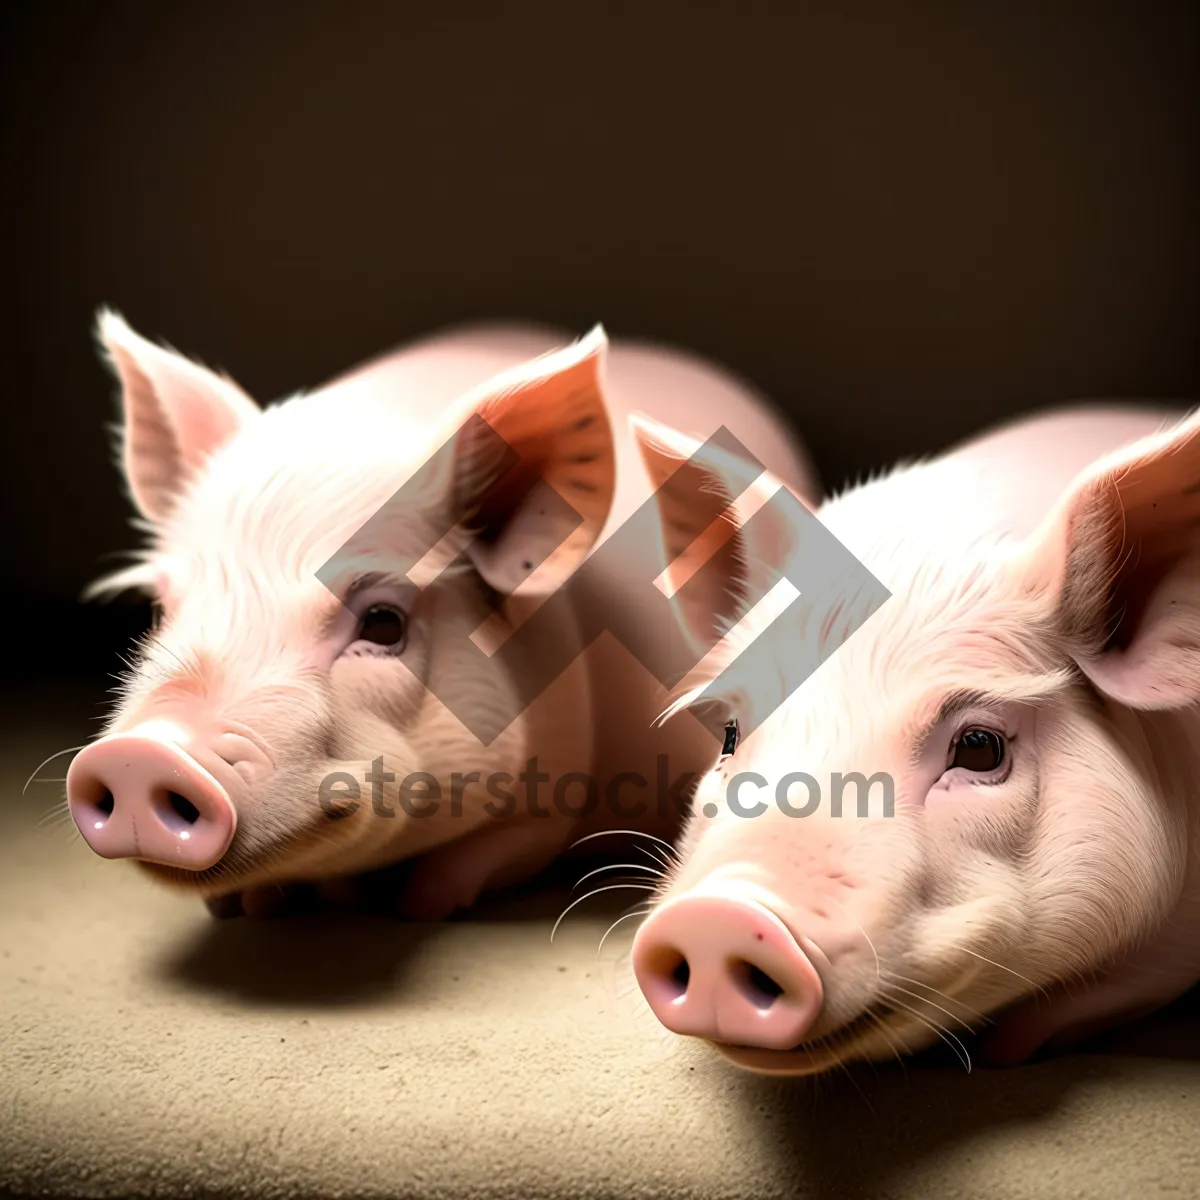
(384, 625)
(978, 751)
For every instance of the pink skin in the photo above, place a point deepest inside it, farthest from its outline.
(1041, 888)
(748, 981)
(165, 792)
(260, 681)
(172, 811)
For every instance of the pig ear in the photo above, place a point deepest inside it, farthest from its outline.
(707, 494)
(176, 413)
(536, 468)
(1119, 559)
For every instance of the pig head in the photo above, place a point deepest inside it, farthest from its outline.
(982, 811)
(291, 663)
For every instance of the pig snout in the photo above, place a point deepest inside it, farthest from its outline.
(725, 968)
(146, 797)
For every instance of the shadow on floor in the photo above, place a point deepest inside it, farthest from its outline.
(315, 955)
(317, 959)
(863, 1130)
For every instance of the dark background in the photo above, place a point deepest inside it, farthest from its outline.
(902, 220)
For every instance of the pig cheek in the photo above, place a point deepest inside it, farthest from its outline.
(700, 847)
(1106, 864)
(966, 817)
(948, 940)
(974, 897)
(325, 821)
(381, 686)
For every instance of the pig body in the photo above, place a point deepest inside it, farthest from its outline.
(264, 682)
(1031, 689)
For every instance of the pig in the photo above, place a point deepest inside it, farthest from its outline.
(1030, 688)
(290, 650)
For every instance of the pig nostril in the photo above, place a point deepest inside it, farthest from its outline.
(176, 812)
(670, 972)
(93, 804)
(183, 808)
(755, 984)
(681, 975)
(763, 983)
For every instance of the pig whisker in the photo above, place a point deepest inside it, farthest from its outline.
(938, 992)
(70, 833)
(58, 820)
(636, 912)
(893, 988)
(631, 832)
(611, 887)
(845, 1070)
(618, 867)
(881, 1028)
(866, 938)
(56, 754)
(951, 1039)
(1002, 967)
(59, 815)
(656, 856)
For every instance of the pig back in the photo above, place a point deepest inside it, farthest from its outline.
(1021, 468)
(427, 379)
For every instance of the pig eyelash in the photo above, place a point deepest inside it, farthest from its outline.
(988, 726)
(372, 581)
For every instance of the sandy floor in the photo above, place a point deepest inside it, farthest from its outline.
(148, 1050)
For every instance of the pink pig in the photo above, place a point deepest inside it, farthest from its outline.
(262, 682)
(1030, 689)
